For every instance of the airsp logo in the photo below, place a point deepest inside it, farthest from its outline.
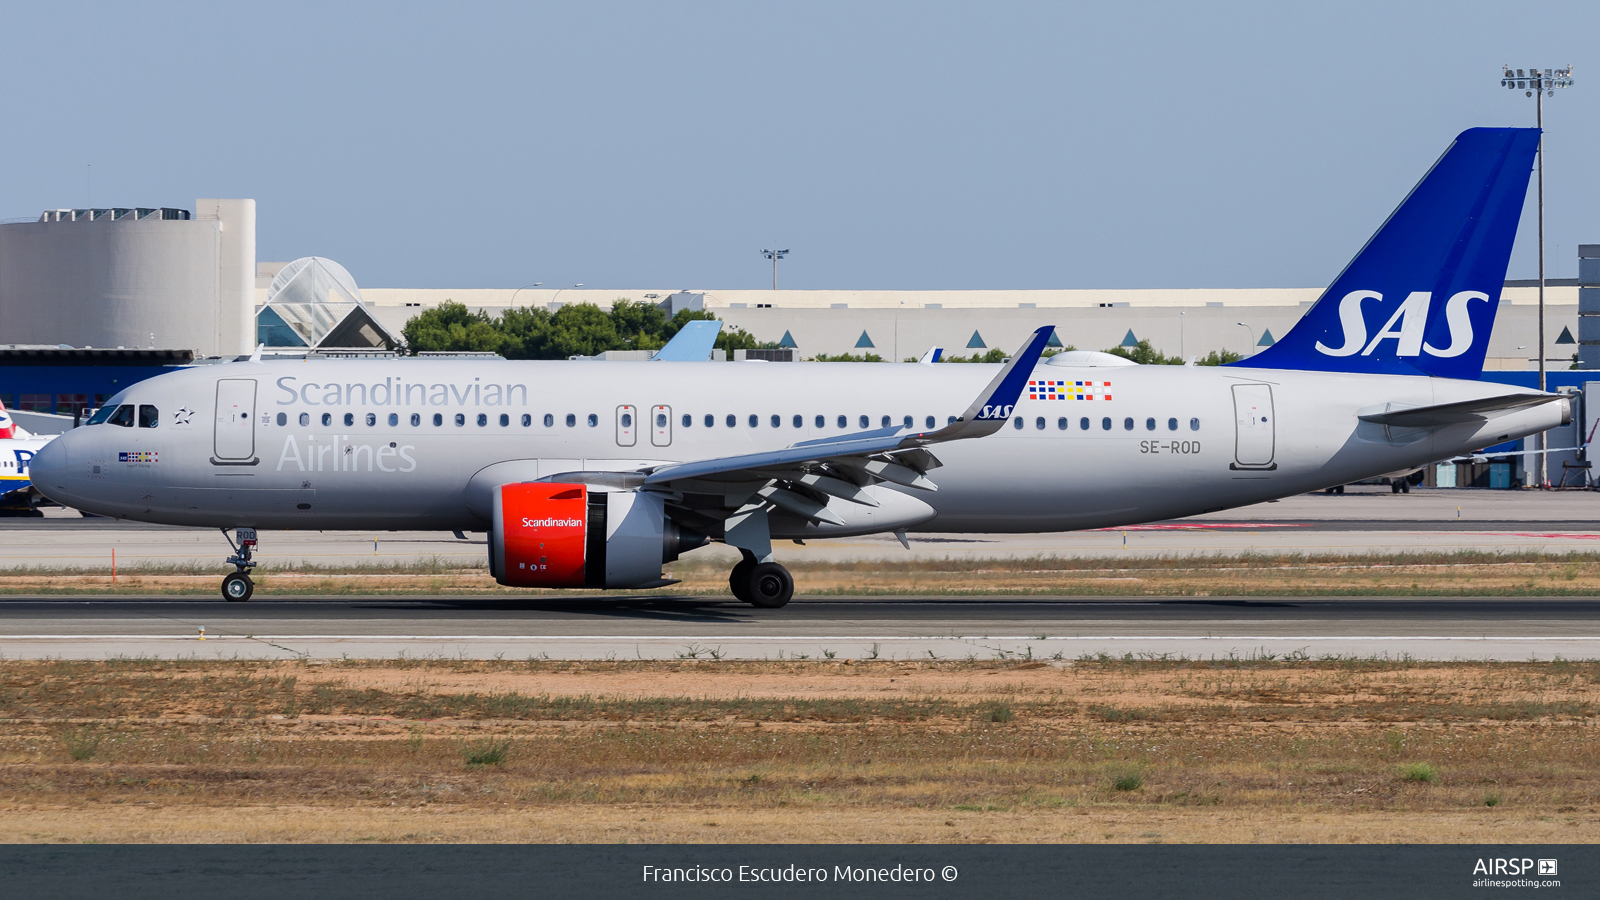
(1406, 326)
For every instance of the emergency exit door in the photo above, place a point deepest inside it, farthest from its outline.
(661, 426)
(234, 435)
(1254, 427)
(627, 426)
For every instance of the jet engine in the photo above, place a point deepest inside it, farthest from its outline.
(547, 534)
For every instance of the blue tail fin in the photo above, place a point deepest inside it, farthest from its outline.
(1420, 297)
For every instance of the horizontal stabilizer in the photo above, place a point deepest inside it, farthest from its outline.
(1454, 413)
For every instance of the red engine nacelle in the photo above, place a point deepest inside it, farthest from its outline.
(552, 535)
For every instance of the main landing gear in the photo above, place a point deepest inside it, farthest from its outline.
(765, 585)
(237, 587)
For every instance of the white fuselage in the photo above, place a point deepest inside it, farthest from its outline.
(289, 444)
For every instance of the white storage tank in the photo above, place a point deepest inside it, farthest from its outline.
(135, 277)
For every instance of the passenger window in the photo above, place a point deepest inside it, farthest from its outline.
(777, 421)
(372, 419)
(951, 420)
(1084, 423)
(327, 419)
(799, 422)
(687, 420)
(1105, 423)
(822, 421)
(461, 419)
(416, 420)
(123, 416)
(1150, 424)
(572, 420)
(661, 420)
(594, 420)
(1127, 424)
(928, 422)
(627, 420)
(754, 421)
(438, 420)
(885, 422)
(865, 422)
(842, 422)
(349, 418)
(549, 420)
(305, 418)
(283, 418)
(711, 420)
(527, 420)
(483, 419)
(1017, 423)
(732, 420)
(906, 422)
(1172, 424)
(394, 419)
(1194, 424)
(1038, 423)
(1061, 424)
(504, 420)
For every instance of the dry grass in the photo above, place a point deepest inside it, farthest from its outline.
(880, 751)
(1460, 573)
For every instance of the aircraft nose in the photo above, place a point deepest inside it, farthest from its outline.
(48, 469)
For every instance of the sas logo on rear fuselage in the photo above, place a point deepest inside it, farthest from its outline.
(1406, 325)
(137, 456)
(995, 412)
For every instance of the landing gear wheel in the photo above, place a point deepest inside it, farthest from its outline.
(1339, 489)
(1394, 487)
(739, 580)
(237, 588)
(1405, 487)
(770, 586)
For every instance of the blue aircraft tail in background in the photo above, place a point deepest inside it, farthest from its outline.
(1420, 298)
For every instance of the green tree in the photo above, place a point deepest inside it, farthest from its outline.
(1219, 358)
(848, 357)
(994, 355)
(525, 332)
(1146, 355)
(581, 329)
(452, 327)
(639, 323)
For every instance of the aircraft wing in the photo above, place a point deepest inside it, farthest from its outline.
(1454, 413)
(856, 460)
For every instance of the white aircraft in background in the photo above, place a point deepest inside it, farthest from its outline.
(596, 475)
(17, 449)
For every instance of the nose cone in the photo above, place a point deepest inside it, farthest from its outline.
(48, 470)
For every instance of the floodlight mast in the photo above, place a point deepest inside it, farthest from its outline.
(775, 255)
(1539, 84)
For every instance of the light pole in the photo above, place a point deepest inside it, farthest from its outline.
(519, 290)
(1252, 349)
(1181, 353)
(774, 255)
(1538, 85)
(558, 293)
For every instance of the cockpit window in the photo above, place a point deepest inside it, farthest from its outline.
(149, 416)
(101, 415)
(123, 416)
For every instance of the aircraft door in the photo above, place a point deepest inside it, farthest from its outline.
(1255, 424)
(661, 426)
(234, 435)
(627, 426)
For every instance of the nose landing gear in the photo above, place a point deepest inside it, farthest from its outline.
(237, 587)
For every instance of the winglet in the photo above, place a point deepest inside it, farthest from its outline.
(692, 343)
(932, 356)
(256, 356)
(994, 405)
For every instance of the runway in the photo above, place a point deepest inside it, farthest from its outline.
(1512, 629)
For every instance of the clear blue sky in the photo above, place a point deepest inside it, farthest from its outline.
(908, 145)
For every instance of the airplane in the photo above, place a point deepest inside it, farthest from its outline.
(596, 475)
(17, 449)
